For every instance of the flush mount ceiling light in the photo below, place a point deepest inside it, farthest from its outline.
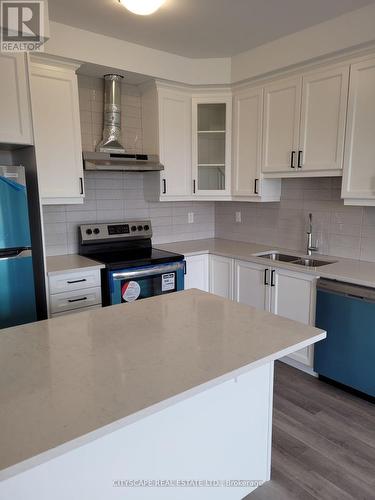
(142, 7)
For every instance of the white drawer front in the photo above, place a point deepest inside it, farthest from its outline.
(68, 301)
(74, 281)
(76, 311)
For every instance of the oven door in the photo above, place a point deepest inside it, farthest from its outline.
(133, 284)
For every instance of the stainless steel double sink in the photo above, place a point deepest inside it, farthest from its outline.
(294, 259)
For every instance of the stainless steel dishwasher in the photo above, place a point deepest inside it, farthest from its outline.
(347, 355)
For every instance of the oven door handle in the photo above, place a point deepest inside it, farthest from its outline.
(139, 273)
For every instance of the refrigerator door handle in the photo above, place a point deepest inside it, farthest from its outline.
(16, 254)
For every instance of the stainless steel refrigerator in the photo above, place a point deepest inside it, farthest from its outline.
(17, 286)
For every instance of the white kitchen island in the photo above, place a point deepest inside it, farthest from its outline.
(165, 398)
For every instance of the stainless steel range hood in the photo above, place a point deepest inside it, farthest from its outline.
(121, 161)
(110, 154)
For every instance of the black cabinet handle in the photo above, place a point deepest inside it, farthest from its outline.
(76, 281)
(164, 186)
(293, 154)
(266, 277)
(185, 267)
(81, 185)
(194, 186)
(299, 164)
(77, 300)
(256, 186)
(273, 277)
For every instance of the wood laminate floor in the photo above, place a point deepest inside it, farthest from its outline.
(323, 442)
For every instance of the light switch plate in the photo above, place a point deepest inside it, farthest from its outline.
(191, 217)
(238, 217)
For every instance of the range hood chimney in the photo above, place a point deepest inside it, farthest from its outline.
(110, 153)
(112, 116)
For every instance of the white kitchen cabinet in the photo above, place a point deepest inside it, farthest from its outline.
(247, 180)
(293, 296)
(251, 284)
(358, 187)
(280, 291)
(221, 276)
(55, 108)
(74, 291)
(15, 116)
(323, 116)
(282, 108)
(304, 124)
(197, 272)
(211, 145)
(166, 120)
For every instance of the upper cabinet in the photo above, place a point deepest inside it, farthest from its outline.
(323, 116)
(55, 107)
(247, 180)
(15, 116)
(166, 117)
(192, 136)
(211, 145)
(282, 109)
(304, 124)
(358, 186)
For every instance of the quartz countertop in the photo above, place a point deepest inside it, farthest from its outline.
(59, 264)
(69, 380)
(348, 270)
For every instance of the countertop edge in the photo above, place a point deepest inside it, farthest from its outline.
(320, 272)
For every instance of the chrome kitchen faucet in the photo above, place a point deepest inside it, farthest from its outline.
(310, 248)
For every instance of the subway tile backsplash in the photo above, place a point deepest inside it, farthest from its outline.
(115, 196)
(344, 231)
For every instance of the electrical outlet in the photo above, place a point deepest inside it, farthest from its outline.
(190, 217)
(238, 217)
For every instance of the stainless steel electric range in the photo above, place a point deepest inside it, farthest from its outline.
(133, 268)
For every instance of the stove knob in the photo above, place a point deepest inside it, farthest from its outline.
(88, 231)
(146, 227)
(96, 230)
(140, 228)
(134, 228)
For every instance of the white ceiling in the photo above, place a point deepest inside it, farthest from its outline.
(201, 28)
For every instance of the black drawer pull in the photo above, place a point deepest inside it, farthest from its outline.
(81, 185)
(256, 186)
(266, 277)
(164, 186)
(77, 300)
(76, 281)
(292, 159)
(299, 164)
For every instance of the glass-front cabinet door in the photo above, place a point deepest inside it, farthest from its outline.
(212, 120)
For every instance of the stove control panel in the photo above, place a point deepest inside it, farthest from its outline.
(115, 230)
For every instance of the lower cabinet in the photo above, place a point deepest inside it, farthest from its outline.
(250, 284)
(283, 292)
(74, 291)
(293, 296)
(197, 272)
(221, 276)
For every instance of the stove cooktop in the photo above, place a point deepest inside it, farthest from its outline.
(135, 258)
(121, 245)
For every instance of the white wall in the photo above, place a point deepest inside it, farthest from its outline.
(342, 33)
(77, 44)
